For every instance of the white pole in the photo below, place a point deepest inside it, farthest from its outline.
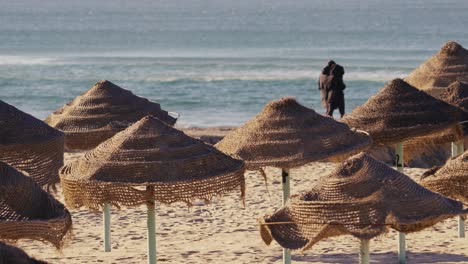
(461, 221)
(364, 252)
(286, 190)
(461, 227)
(401, 236)
(401, 248)
(454, 149)
(461, 147)
(151, 226)
(106, 220)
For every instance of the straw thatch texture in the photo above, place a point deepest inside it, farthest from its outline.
(399, 112)
(362, 197)
(30, 145)
(27, 211)
(450, 64)
(455, 94)
(100, 113)
(286, 134)
(13, 255)
(450, 180)
(150, 153)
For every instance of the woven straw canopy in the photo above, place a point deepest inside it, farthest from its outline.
(100, 113)
(27, 211)
(362, 197)
(399, 112)
(14, 255)
(30, 145)
(450, 180)
(286, 134)
(442, 69)
(150, 153)
(455, 94)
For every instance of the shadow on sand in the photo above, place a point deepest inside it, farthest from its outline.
(390, 257)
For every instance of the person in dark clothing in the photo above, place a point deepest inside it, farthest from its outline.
(331, 87)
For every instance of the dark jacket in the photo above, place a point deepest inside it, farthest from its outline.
(331, 86)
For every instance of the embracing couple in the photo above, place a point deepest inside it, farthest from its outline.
(331, 87)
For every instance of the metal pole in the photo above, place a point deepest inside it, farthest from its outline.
(151, 225)
(401, 248)
(106, 220)
(461, 147)
(286, 190)
(399, 158)
(454, 148)
(461, 221)
(461, 227)
(364, 252)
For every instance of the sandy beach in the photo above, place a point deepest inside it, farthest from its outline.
(226, 232)
(394, 74)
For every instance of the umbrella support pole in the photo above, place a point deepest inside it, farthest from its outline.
(399, 162)
(401, 248)
(364, 252)
(457, 149)
(461, 147)
(461, 227)
(454, 148)
(106, 220)
(151, 226)
(461, 220)
(285, 182)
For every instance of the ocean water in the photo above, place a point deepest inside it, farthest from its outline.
(215, 62)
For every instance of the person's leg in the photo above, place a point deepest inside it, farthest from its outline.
(330, 110)
(341, 108)
(341, 104)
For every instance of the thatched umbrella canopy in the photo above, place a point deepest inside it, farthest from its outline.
(13, 255)
(27, 211)
(30, 145)
(171, 165)
(362, 197)
(149, 153)
(286, 134)
(455, 94)
(399, 112)
(450, 64)
(450, 180)
(100, 113)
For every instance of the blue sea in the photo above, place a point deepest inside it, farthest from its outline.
(215, 62)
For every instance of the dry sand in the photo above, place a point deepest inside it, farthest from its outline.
(226, 232)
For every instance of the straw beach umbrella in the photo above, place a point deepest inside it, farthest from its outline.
(30, 145)
(436, 74)
(450, 180)
(399, 112)
(363, 198)
(287, 135)
(147, 162)
(100, 113)
(455, 94)
(450, 64)
(27, 211)
(13, 255)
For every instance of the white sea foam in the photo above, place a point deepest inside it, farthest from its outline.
(25, 60)
(377, 76)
